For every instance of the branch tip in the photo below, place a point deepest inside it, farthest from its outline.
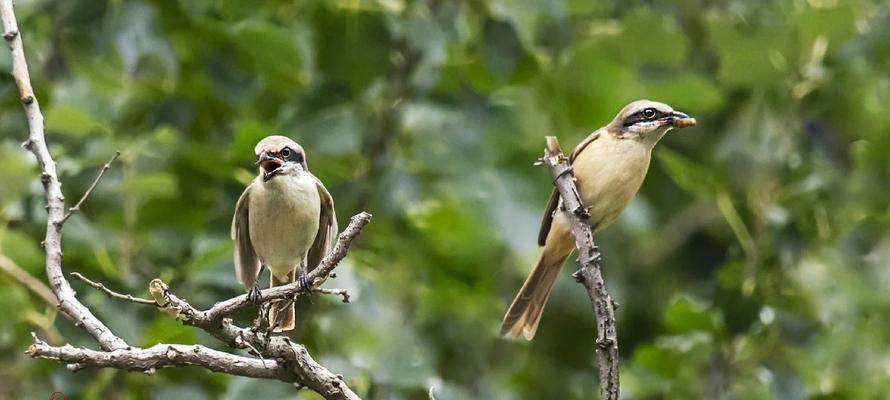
(89, 191)
(111, 293)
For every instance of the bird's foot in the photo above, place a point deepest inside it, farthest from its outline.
(254, 295)
(261, 318)
(303, 284)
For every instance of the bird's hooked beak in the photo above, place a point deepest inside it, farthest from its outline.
(269, 165)
(681, 120)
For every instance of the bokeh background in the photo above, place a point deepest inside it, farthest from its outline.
(753, 264)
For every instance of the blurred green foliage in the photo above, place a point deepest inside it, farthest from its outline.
(753, 265)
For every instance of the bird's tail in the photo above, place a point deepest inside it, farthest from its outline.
(524, 313)
(282, 314)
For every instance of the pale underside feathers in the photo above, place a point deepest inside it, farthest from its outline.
(247, 263)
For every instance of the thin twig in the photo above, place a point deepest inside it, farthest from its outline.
(336, 292)
(112, 293)
(320, 274)
(239, 341)
(89, 191)
(590, 273)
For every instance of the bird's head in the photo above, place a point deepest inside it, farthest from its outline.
(278, 155)
(648, 121)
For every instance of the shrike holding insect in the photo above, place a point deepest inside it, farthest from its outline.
(284, 220)
(609, 167)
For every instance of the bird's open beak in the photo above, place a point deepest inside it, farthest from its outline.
(269, 164)
(681, 120)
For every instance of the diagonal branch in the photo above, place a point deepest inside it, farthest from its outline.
(315, 278)
(590, 274)
(112, 293)
(55, 207)
(89, 191)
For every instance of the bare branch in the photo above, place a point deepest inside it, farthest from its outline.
(36, 143)
(590, 273)
(89, 191)
(309, 373)
(112, 293)
(162, 356)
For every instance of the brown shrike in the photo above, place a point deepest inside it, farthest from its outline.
(284, 220)
(609, 167)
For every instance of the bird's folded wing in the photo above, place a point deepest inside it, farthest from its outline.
(327, 228)
(247, 265)
(554, 195)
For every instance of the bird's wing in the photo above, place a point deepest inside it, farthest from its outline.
(554, 195)
(581, 146)
(327, 228)
(247, 265)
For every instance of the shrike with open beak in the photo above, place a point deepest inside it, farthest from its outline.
(609, 167)
(284, 220)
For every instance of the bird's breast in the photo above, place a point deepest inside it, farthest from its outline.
(284, 217)
(609, 174)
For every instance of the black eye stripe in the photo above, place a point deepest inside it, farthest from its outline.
(291, 155)
(640, 116)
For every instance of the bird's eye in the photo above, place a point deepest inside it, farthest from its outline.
(649, 113)
(285, 153)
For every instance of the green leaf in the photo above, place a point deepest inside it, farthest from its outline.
(15, 173)
(273, 50)
(693, 177)
(23, 250)
(153, 184)
(751, 57)
(650, 38)
(724, 203)
(685, 314)
(248, 132)
(689, 92)
(835, 23)
(70, 119)
(167, 330)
